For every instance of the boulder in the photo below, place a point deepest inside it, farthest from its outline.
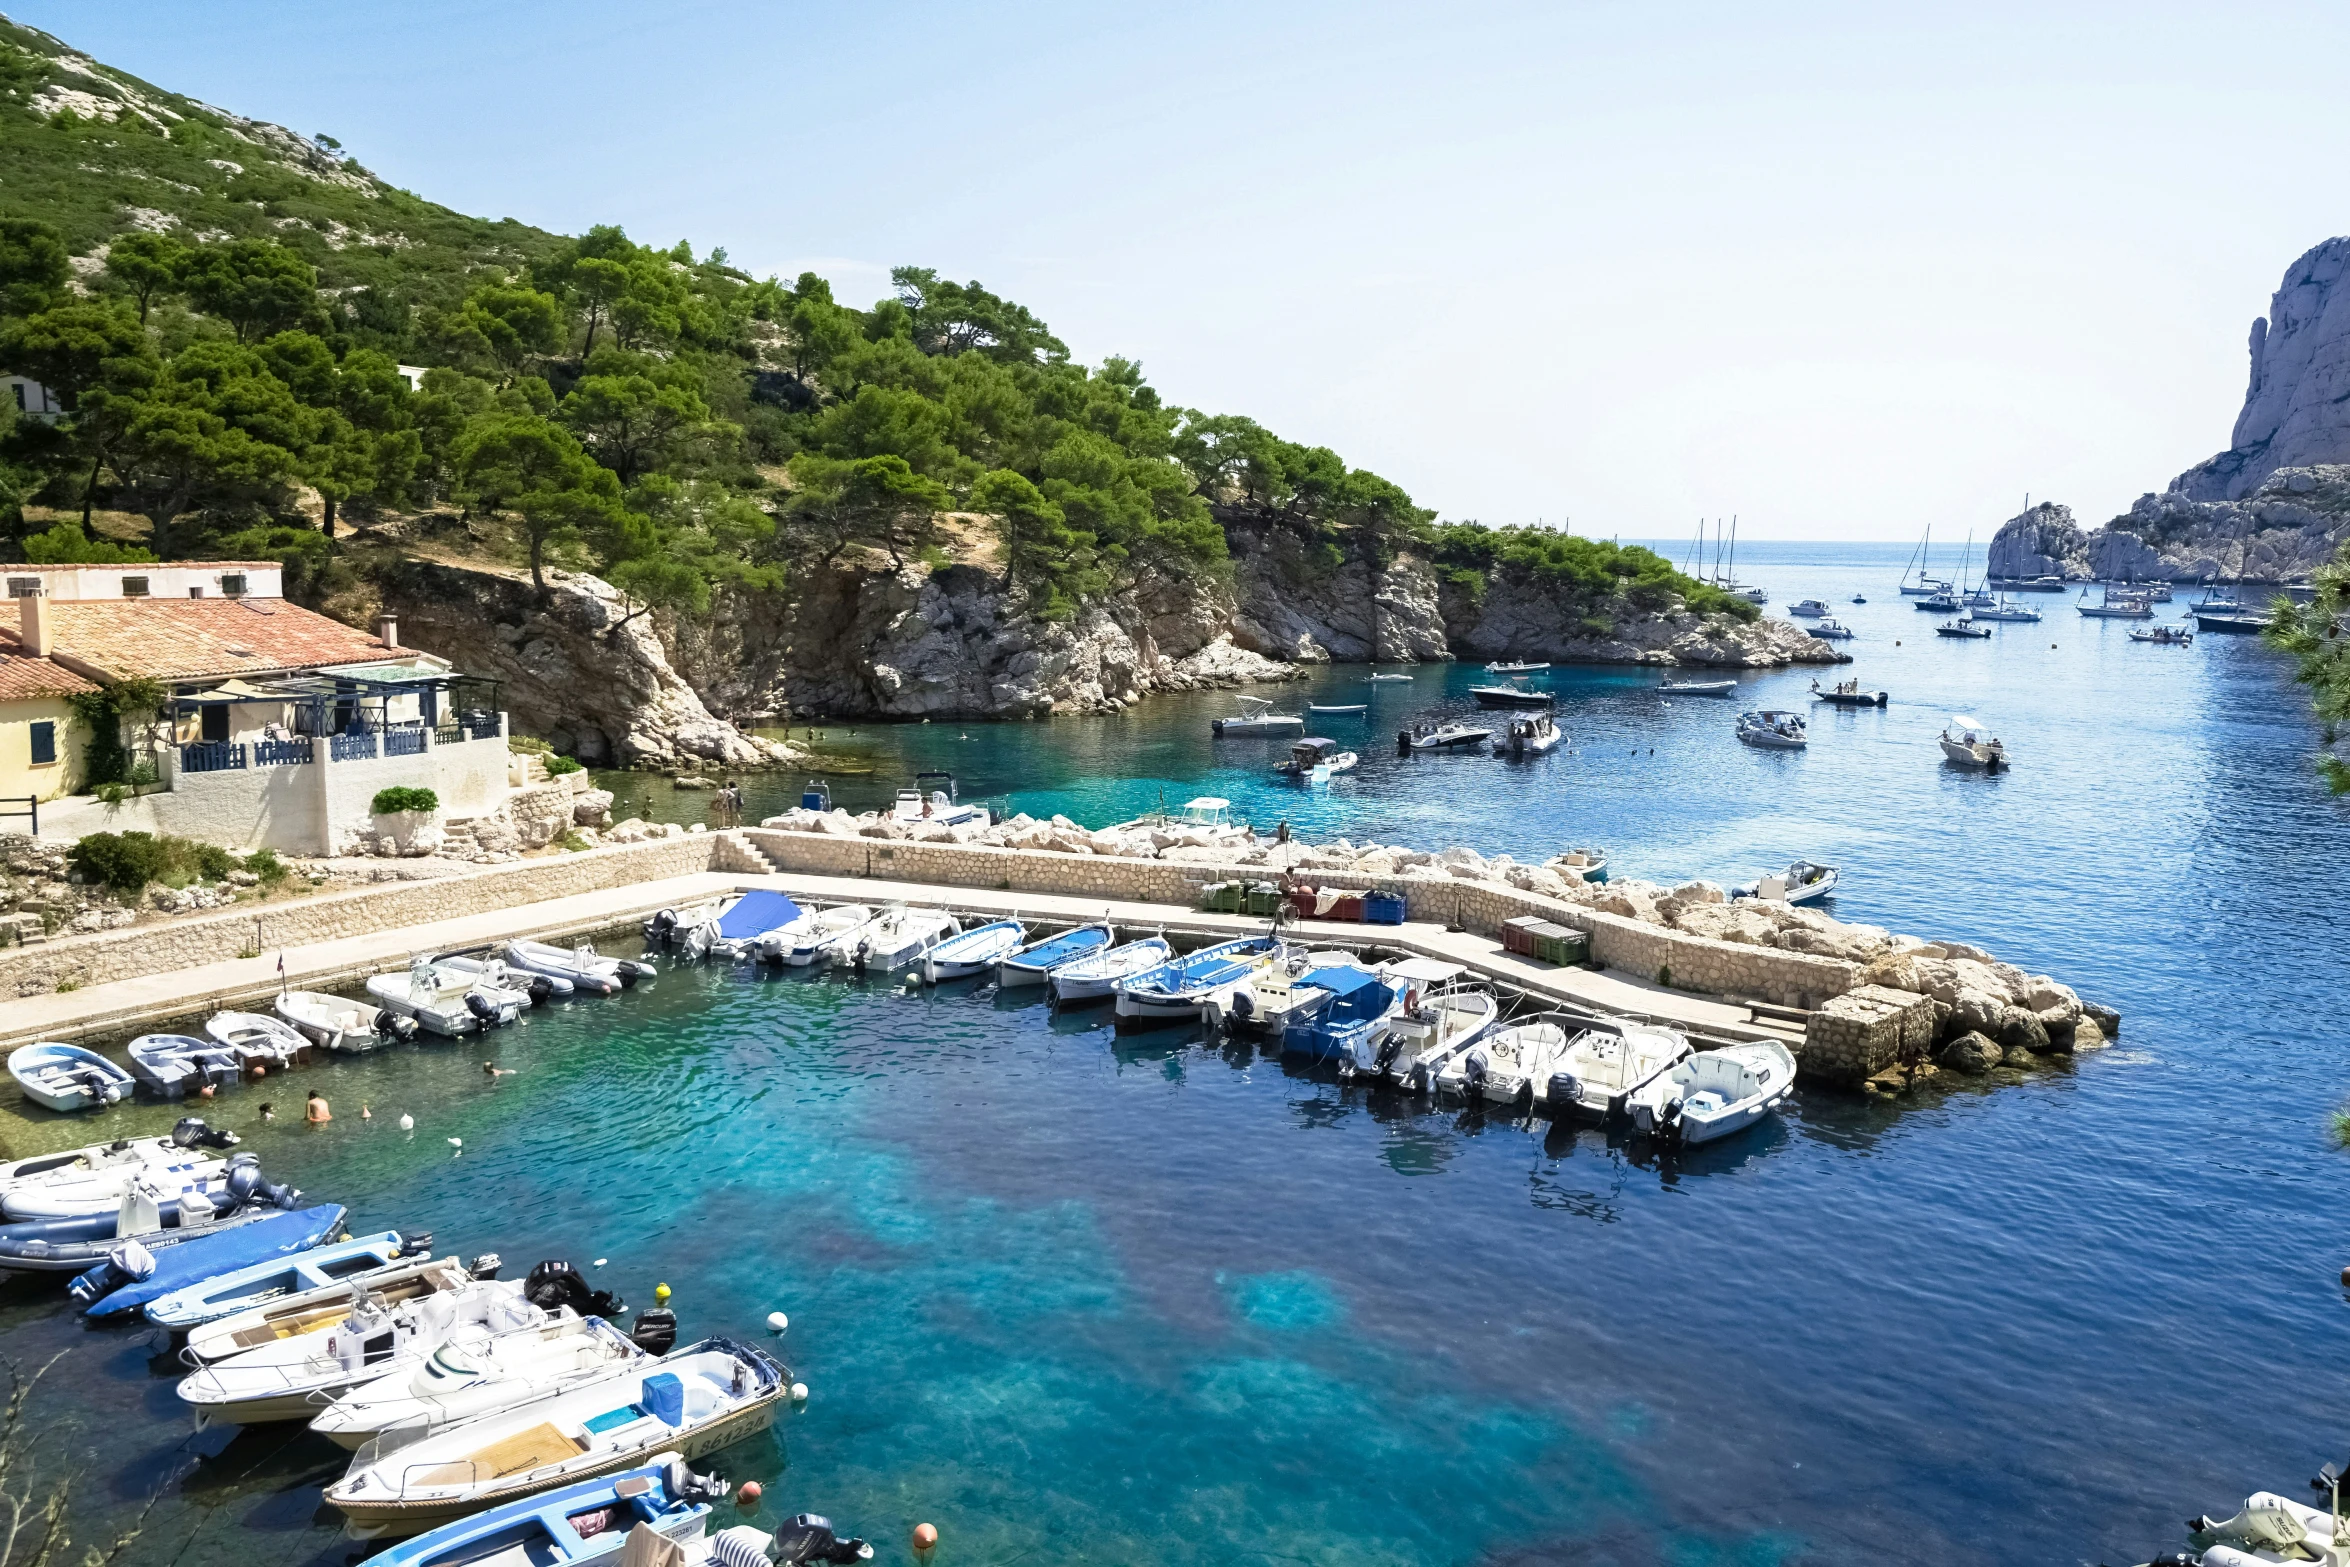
(1971, 1052)
(633, 830)
(2108, 1021)
(2021, 1029)
(2087, 1035)
(1976, 1012)
(535, 832)
(593, 809)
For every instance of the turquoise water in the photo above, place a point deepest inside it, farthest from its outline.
(1075, 1297)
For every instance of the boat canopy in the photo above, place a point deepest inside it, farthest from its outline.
(1314, 747)
(1208, 810)
(755, 914)
(1964, 722)
(1425, 971)
(1342, 980)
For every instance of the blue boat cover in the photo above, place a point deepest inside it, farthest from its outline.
(755, 914)
(1062, 948)
(280, 1235)
(1343, 980)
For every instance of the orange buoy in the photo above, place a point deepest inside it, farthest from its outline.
(925, 1537)
(748, 1495)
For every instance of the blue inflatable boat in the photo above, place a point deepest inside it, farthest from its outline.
(109, 1289)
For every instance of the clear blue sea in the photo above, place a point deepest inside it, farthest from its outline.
(1075, 1298)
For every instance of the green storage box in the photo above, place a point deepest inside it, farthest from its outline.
(1224, 897)
(1264, 898)
(1558, 944)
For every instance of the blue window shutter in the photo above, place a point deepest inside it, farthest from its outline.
(44, 742)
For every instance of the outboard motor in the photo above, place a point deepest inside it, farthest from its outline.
(557, 1283)
(808, 1537)
(482, 1007)
(655, 1331)
(416, 1243)
(661, 929)
(687, 1486)
(191, 1132)
(244, 1178)
(542, 990)
(1403, 742)
(393, 1026)
(485, 1267)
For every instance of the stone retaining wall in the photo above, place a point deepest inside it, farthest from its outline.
(1651, 952)
(1864, 1031)
(296, 920)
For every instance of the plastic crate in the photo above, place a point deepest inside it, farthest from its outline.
(1518, 935)
(1223, 897)
(1348, 907)
(1263, 898)
(1558, 944)
(1383, 908)
(1302, 902)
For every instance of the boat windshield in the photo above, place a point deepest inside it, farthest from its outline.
(1208, 811)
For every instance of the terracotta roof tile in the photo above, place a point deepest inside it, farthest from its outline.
(23, 679)
(199, 639)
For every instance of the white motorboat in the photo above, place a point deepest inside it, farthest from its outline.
(339, 1023)
(172, 1064)
(1194, 984)
(292, 1378)
(465, 1379)
(1508, 1063)
(1829, 629)
(257, 1038)
(1698, 687)
(1529, 736)
(444, 1000)
(2273, 1528)
(1753, 595)
(974, 951)
(1436, 1019)
(1390, 675)
(1515, 667)
(2122, 604)
(1339, 709)
(1036, 963)
(279, 1277)
(1970, 743)
(77, 1194)
(102, 1171)
(315, 1310)
(1963, 628)
(1256, 717)
(1513, 695)
(1801, 882)
(1297, 986)
(932, 802)
(67, 1078)
(1449, 735)
(2001, 609)
(1848, 693)
(692, 1402)
(742, 930)
(1593, 1077)
(1096, 978)
(497, 974)
(1316, 760)
(587, 969)
(1714, 1093)
(654, 1513)
(806, 939)
(1772, 730)
(1808, 609)
(896, 938)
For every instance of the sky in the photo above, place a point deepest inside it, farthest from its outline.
(1843, 271)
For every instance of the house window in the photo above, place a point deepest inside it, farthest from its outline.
(215, 720)
(44, 743)
(134, 587)
(232, 584)
(24, 587)
(195, 593)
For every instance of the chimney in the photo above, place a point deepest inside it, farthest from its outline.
(36, 631)
(387, 629)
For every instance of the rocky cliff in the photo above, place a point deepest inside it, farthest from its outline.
(2274, 506)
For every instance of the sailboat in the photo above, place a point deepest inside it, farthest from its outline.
(1978, 596)
(1925, 586)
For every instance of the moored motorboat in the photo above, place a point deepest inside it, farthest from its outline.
(1847, 693)
(2167, 636)
(896, 937)
(81, 1180)
(445, 1000)
(1437, 1018)
(314, 1310)
(1339, 709)
(172, 1064)
(1963, 626)
(1390, 675)
(1698, 687)
(806, 939)
(1772, 729)
(1508, 1063)
(292, 1378)
(1829, 629)
(1297, 986)
(1316, 760)
(67, 1078)
(932, 802)
(1256, 717)
(1186, 987)
(1515, 667)
(974, 951)
(2001, 610)
(340, 1024)
(1355, 1001)
(1801, 882)
(1947, 602)
(1036, 963)
(1528, 736)
(742, 929)
(188, 1172)
(2272, 1528)
(258, 1038)
(1714, 1093)
(1512, 696)
(587, 969)
(75, 1243)
(1593, 1076)
(656, 1512)
(1808, 609)
(694, 1401)
(1450, 735)
(1588, 863)
(241, 1289)
(467, 1378)
(136, 1271)
(1969, 743)
(1096, 978)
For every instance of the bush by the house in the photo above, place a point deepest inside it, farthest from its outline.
(128, 861)
(557, 766)
(266, 866)
(391, 802)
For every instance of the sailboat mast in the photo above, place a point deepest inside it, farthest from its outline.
(1732, 579)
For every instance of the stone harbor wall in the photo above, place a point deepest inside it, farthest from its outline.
(1867, 1030)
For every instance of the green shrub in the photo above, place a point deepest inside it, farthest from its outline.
(557, 766)
(528, 746)
(572, 840)
(125, 861)
(265, 864)
(390, 802)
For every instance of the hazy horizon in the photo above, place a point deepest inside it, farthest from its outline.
(1844, 274)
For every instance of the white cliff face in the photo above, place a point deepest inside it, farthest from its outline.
(2297, 407)
(2042, 541)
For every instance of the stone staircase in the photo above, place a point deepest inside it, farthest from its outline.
(738, 853)
(457, 838)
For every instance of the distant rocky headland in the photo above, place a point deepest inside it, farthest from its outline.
(2271, 508)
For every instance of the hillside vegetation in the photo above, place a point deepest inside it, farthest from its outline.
(223, 308)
